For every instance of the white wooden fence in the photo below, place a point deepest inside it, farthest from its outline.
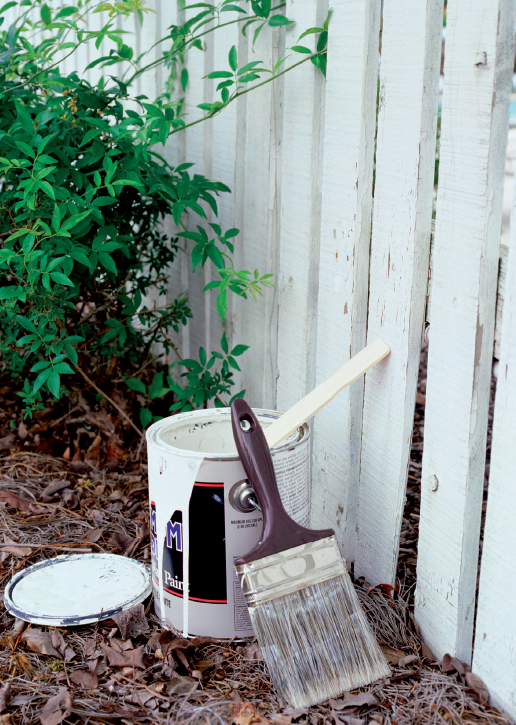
(299, 157)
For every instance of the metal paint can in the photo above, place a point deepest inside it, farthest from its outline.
(203, 517)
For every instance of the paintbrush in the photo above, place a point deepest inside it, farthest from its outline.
(305, 612)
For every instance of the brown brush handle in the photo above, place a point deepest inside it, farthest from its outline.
(280, 532)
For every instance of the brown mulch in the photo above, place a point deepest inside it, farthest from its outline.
(130, 670)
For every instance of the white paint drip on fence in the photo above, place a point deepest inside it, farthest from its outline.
(477, 84)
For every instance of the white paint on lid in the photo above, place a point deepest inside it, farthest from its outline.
(77, 589)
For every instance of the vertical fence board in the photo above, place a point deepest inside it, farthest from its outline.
(300, 213)
(223, 160)
(477, 84)
(253, 321)
(494, 658)
(349, 130)
(198, 66)
(408, 95)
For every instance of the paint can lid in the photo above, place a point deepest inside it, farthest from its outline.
(77, 589)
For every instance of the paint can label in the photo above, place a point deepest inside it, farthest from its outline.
(221, 523)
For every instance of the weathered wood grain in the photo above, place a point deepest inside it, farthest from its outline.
(494, 658)
(478, 77)
(255, 323)
(408, 100)
(301, 180)
(347, 176)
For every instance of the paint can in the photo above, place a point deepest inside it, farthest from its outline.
(203, 516)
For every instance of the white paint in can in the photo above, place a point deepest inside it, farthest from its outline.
(199, 523)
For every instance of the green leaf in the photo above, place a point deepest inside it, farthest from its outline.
(45, 14)
(231, 233)
(145, 417)
(248, 78)
(220, 74)
(322, 40)
(56, 218)
(54, 383)
(215, 256)
(224, 344)
(45, 186)
(184, 79)
(61, 278)
(64, 368)
(301, 49)
(249, 66)
(26, 148)
(233, 363)
(239, 350)
(232, 57)
(202, 356)
(233, 7)
(136, 385)
(309, 32)
(277, 20)
(41, 379)
(197, 253)
(108, 262)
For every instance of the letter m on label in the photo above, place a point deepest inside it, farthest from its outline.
(175, 531)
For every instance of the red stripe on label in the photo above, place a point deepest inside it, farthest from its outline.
(196, 599)
(214, 485)
(152, 503)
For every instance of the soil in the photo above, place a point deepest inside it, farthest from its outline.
(75, 480)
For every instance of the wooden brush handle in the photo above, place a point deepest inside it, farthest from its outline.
(323, 393)
(280, 532)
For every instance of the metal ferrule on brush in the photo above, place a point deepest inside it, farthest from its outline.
(290, 571)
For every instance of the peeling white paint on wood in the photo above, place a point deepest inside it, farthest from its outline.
(477, 84)
(257, 245)
(301, 175)
(408, 97)
(347, 176)
(494, 658)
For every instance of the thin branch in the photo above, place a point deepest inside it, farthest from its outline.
(110, 400)
(247, 90)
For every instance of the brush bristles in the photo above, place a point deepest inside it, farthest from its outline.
(317, 642)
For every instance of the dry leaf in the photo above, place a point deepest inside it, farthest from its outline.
(4, 696)
(68, 653)
(92, 536)
(131, 658)
(84, 678)
(253, 652)
(348, 700)
(14, 501)
(15, 550)
(39, 641)
(280, 719)
(404, 661)
(393, 656)
(179, 685)
(452, 664)
(7, 441)
(427, 652)
(53, 487)
(120, 541)
(58, 640)
(477, 687)
(5, 719)
(93, 452)
(22, 431)
(56, 708)
(132, 622)
(349, 720)
(245, 713)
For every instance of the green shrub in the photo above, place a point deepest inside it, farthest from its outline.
(83, 196)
